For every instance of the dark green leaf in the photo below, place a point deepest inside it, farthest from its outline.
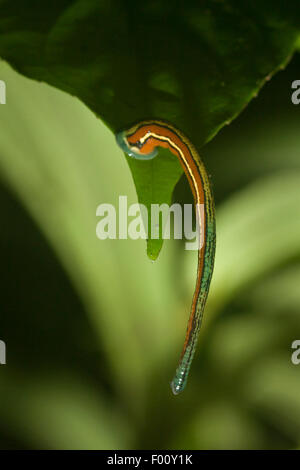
(195, 64)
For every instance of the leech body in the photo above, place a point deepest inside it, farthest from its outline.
(141, 142)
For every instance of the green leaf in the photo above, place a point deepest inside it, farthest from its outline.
(196, 65)
(154, 182)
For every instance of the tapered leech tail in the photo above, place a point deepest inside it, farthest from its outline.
(141, 142)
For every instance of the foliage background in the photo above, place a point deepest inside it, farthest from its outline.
(94, 329)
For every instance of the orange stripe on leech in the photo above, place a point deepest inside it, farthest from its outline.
(170, 134)
(188, 166)
(157, 142)
(156, 129)
(194, 303)
(197, 177)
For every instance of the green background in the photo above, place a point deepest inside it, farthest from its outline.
(94, 328)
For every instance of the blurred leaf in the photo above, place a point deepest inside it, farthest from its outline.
(273, 385)
(223, 425)
(129, 61)
(242, 339)
(257, 230)
(269, 293)
(61, 413)
(248, 221)
(61, 178)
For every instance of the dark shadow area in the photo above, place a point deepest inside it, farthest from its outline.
(42, 320)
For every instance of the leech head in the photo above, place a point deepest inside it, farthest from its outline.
(137, 148)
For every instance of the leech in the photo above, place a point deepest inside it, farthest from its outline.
(141, 142)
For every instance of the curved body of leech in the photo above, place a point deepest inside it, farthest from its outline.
(141, 142)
